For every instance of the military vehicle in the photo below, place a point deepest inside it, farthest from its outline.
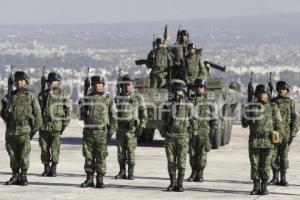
(226, 96)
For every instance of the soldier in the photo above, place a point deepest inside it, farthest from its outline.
(204, 122)
(99, 116)
(55, 107)
(280, 160)
(132, 119)
(194, 65)
(175, 130)
(22, 121)
(159, 63)
(264, 121)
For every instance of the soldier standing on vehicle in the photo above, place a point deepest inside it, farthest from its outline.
(55, 106)
(22, 115)
(177, 117)
(280, 160)
(204, 122)
(265, 122)
(99, 116)
(132, 119)
(159, 63)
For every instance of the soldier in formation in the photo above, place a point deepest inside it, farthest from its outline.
(22, 115)
(55, 106)
(132, 119)
(264, 121)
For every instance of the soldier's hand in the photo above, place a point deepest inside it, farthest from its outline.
(290, 140)
(138, 132)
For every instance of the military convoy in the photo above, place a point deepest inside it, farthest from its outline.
(226, 96)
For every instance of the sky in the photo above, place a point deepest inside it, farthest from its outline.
(13, 12)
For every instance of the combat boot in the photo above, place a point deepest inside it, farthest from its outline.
(14, 180)
(179, 186)
(89, 182)
(172, 185)
(263, 188)
(275, 180)
(283, 181)
(23, 178)
(199, 176)
(46, 169)
(130, 172)
(99, 181)
(52, 172)
(122, 173)
(256, 187)
(192, 176)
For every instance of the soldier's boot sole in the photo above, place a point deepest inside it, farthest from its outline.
(283, 183)
(121, 176)
(86, 185)
(100, 185)
(171, 188)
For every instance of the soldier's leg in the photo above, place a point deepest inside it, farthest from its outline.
(11, 144)
(88, 154)
(122, 157)
(55, 150)
(255, 174)
(284, 162)
(182, 148)
(101, 154)
(153, 81)
(275, 166)
(266, 159)
(24, 151)
(193, 156)
(170, 149)
(131, 146)
(202, 162)
(160, 80)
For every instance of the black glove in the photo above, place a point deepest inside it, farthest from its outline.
(291, 140)
(138, 132)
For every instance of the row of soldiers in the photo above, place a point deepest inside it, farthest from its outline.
(185, 129)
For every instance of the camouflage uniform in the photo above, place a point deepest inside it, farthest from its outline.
(280, 160)
(22, 122)
(99, 124)
(195, 68)
(55, 107)
(132, 117)
(176, 124)
(262, 120)
(204, 122)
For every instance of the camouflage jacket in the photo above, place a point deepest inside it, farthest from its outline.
(25, 116)
(262, 119)
(100, 112)
(205, 116)
(56, 109)
(195, 68)
(287, 109)
(161, 61)
(177, 118)
(131, 111)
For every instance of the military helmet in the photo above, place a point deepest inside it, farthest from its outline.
(184, 33)
(200, 83)
(281, 85)
(191, 46)
(97, 79)
(53, 76)
(127, 78)
(261, 88)
(20, 75)
(159, 41)
(178, 84)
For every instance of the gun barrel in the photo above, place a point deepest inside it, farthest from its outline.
(141, 62)
(215, 66)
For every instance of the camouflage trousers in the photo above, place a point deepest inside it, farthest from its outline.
(126, 144)
(260, 160)
(280, 156)
(50, 146)
(157, 80)
(18, 148)
(94, 150)
(176, 151)
(198, 148)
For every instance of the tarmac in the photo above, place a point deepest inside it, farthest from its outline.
(227, 175)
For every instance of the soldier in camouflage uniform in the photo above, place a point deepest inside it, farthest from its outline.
(195, 66)
(176, 118)
(280, 160)
(99, 116)
(159, 63)
(204, 122)
(264, 120)
(22, 122)
(132, 119)
(55, 107)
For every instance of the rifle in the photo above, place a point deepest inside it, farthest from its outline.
(119, 82)
(43, 87)
(215, 66)
(178, 34)
(10, 83)
(270, 84)
(250, 89)
(81, 102)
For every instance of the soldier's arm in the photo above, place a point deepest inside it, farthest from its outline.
(112, 114)
(295, 120)
(213, 117)
(37, 114)
(278, 123)
(4, 113)
(142, 112)
(67, 109)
